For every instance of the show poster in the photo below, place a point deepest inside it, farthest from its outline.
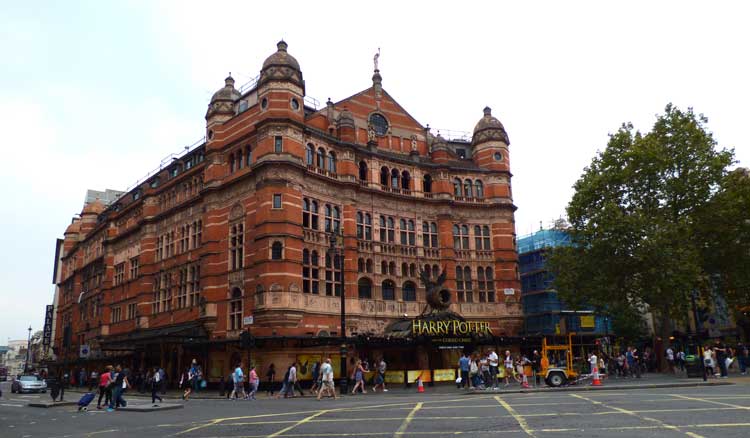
(394, 377)
(305, 364)
(423, 374)
(444, 375)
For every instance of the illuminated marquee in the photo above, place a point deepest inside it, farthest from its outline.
(449, 328)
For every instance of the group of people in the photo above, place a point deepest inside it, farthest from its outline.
(485, 370)
(719, 358)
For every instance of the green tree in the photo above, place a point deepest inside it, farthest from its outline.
(633, 222)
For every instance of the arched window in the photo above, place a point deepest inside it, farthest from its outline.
(479, 189)
(368, 226)
(486, 237)
(468, 189)
(310, 154)
(383, 230)
(328, 218)
(410, 231)
(235, 310)
(384, 175)
(306, 213)
(314, 215)
(456, 187)
(231, 163)
(467, 285)
(427, 184)
(391, 230)
(360, 265)
(321, 163)
(490, 279)
(236, 246)
(456, 237)
(481, 285)
(427, 270)
(360, 225)
(362, 171)
(435, 271)
(404, 270)
(384, 267)
(239, 159)
(388, 290)
(364, 288)
(248, 155)
(392, 268)
(368, 266)
(409, 291)
(460, 284)
(394, 178)
(477, 237)
(412, 270)
(276, 251)
(332, 162)
(464, 237)
(405, 180)
(433, 235)
(402, 233)
(336, 220)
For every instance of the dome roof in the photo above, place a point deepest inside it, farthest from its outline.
(94, 207)
(74, 227)
(281, 66)
(489, 128)
(281, 57)
(223, 100)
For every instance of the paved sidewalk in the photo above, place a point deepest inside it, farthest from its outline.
(651, 380)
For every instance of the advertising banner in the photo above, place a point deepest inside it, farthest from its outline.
(306, 362)
(394, 377)
(412, 375)
(445, 375)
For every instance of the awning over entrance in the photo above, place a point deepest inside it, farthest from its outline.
(187, 332)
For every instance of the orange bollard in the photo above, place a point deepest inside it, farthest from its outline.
(420, 386)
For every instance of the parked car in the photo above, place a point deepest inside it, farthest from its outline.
(28, 384)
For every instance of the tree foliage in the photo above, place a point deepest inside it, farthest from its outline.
(636, 222)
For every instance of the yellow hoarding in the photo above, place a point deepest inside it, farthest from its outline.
(305, 365)
(444, 375)
(394, 377)
(411, 376)
(588, 321)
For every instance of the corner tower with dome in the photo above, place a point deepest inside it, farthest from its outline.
(245, 243)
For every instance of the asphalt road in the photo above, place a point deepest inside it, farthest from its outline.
(720, 411)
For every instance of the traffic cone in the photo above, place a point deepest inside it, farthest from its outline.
(524, 381)
(596, 381)
(420, 386)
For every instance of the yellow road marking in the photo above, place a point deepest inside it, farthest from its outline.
(299, 423)
(408, 419)
(514, 414)
(628, 412)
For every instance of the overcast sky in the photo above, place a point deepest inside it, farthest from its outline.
(94, 94)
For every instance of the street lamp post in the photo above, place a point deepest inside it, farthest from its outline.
(337, 262)
(28, 353)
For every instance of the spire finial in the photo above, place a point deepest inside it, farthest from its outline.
(487, 111)
(282, 45)
(375, 59)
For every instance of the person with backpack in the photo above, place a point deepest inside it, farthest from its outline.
(155, 385)
(193, 377)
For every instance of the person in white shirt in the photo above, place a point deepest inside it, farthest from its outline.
(326, 373)
(670, 359)
(508, 364)
(594, 362)
(494, 361)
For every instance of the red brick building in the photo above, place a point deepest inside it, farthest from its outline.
(241, 226)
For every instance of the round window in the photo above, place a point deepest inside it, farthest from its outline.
(295, 104)
(498, 156)
(264, 103)
(379, 123)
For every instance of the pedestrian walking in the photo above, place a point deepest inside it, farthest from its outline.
(326, 376)
(254, 381)
(315, 378)
(192, 380)
(493, 361)
(105, 387)
(121, 384)
(294, 381)
(670, 360)
(155, 385)
(271, 378)
(359, 378)
(721, 357)
(238, 386)
(380, 378)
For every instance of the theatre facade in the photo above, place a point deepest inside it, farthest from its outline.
(241, 247)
